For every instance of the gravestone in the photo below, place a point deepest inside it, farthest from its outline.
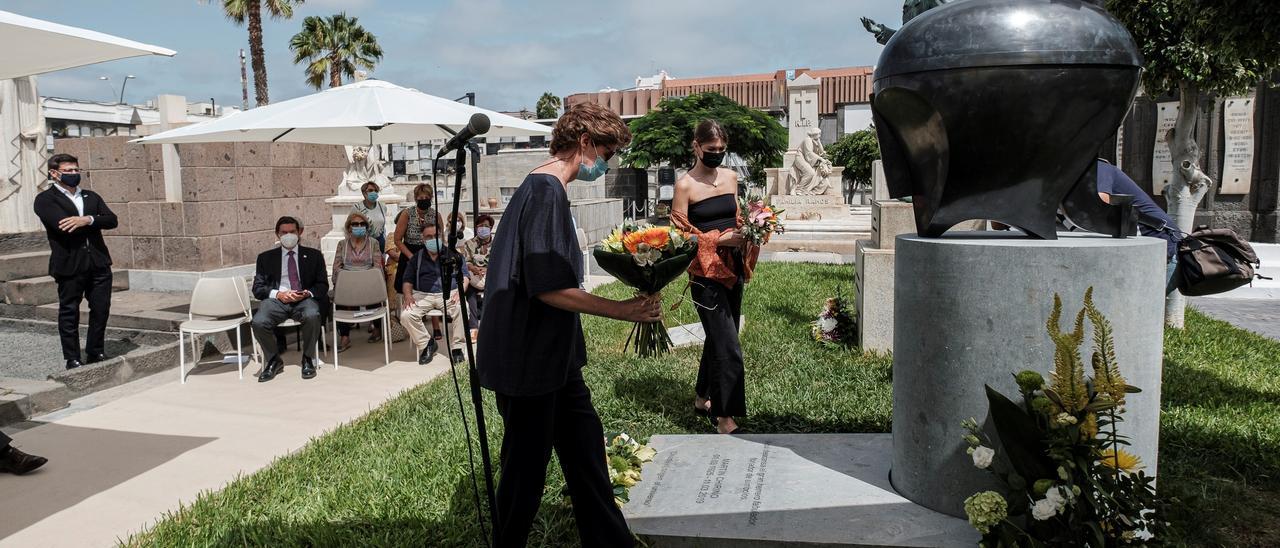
(780, 490)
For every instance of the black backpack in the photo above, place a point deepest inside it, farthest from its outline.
(1212, 261)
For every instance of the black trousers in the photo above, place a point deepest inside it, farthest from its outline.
(566, 421)
(475, 307)
(720, 372)
(94, 285)
(5, 440)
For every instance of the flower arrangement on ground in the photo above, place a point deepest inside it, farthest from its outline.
(759, 221)
(647, 258)
(626, 456)
(835, 324)
(1069, 478)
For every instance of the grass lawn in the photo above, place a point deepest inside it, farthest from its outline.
(398, 476)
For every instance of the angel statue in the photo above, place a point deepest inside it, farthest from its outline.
(910, 9)
(365, 164)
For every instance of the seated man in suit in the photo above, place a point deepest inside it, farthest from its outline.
(79, 262)
(14, 461)
(291, 282)
(423, 292)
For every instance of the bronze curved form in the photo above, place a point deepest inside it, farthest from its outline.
(996, 109)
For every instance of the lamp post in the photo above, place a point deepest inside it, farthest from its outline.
(122, 84)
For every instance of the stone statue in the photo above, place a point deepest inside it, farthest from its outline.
(811, 167)
(910, 9)
(366, 164)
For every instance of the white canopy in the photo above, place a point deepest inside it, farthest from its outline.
(371, 112)
(32, 46)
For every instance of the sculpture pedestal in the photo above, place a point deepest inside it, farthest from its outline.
(970, 309)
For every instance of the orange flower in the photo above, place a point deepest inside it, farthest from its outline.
(657, 237)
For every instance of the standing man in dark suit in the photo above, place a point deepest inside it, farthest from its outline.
(73, 220)
(291, 282)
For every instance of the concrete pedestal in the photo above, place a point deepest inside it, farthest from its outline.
(970, 309)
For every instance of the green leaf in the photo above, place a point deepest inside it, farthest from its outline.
(1019, 436)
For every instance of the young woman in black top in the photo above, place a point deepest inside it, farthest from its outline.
(706, 202)
(531, 349)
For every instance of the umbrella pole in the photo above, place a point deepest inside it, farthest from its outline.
(453, 274)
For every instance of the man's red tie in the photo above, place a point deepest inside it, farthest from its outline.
(295, 281)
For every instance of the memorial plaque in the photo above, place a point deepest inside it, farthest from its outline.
(1237, 154)
(1162, 159)
(829, 489)
(819, 207)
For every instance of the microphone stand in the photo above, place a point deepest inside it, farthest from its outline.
(451, 274)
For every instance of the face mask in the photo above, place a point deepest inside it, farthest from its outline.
(371, 196)
(289, 241)
(483, 232)
(595, 171)
(424, 203)
(433, 246)
(459, 227)
(359, 231)
(70, 179)
(712, 159)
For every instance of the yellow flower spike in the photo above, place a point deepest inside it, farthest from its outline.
(1120, 460)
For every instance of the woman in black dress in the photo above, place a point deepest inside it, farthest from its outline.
(531, 349)
(706, 203)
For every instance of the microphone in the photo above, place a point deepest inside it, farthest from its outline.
(478, 125)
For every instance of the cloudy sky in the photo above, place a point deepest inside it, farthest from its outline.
(507, 51)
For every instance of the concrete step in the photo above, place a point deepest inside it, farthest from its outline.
(846, 245)
(29, 264)
(43, 290)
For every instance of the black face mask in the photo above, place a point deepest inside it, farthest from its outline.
(70, 179)
(424, 203)
(712, 159)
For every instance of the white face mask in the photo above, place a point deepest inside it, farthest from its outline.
(289, 241)
(458, 226)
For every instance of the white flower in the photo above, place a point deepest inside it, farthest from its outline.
(1057, 497)
(982, 456)
(827, 324)
(1043, 509)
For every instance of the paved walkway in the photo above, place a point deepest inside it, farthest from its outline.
(121, 458)
(1255, 307)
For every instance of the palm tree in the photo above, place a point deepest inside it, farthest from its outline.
(334, 47)
(251, 11)
(548, 106)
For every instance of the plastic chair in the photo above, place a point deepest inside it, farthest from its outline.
(214, 298)
(366, 289)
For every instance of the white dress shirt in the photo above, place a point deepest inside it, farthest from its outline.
(284, 271)
(76, 197)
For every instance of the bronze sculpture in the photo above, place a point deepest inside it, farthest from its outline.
(996, 109)
(910, 9)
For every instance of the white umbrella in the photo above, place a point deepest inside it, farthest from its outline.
(371, 112)
(32, 46)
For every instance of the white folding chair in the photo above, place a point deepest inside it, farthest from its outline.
(366, 289)
(214, 298)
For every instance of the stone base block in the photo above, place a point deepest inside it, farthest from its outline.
(780, 490)
(811, 208)
(874, 281)
(889, 218)
(970, 309)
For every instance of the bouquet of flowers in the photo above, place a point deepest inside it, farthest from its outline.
(647, 258)
(1069, 480)
(835, 324)
(624, 457)
(759, 221)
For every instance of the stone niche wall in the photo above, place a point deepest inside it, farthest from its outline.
(232, 194)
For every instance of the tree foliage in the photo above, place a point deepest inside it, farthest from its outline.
(856, 151)
(666, 134)
(548, 106)
(1223, 46)
(333, 47)
(250, 11)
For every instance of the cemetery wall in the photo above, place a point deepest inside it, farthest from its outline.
(232, 194)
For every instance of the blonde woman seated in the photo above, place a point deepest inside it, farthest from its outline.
(357, 251)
